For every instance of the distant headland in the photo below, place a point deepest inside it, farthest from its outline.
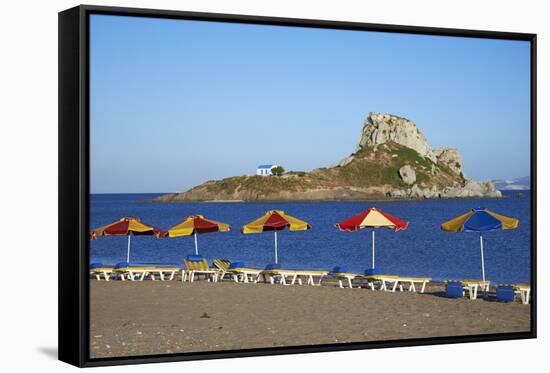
(392, 160)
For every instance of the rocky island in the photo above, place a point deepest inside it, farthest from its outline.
(392, 160)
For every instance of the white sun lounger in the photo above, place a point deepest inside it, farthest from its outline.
(133, 273)
(310, 276)
(292, 276)
(473, 286)
(386, 282)
(284, 276)
(391, 282)
(164, 273)
(105, 271)
(344, 278)
(246, 275)
(524, 290)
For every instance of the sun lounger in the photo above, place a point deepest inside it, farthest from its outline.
(309, 275)
(343, 276)
(273, 273)
(524, 290)
(473, 286)
(283, 276)
(246, 275)
(412, 281)
(164, 273)
(237, 271)
(293, 276)
(132, 273)
(223, 267)
(392, 282)
(97, 269)
(196, 264)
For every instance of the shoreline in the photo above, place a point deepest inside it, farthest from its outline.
(157, 317)
(381, 199)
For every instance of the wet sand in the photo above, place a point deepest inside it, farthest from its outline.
(153, 317)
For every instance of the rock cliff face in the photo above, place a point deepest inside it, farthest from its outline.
(450, 158)
(382, 128)
(393, 159)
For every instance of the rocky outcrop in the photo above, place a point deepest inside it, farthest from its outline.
(471, 189)
(393, 159)
(407, 174)
(382, 128)
(450, 158)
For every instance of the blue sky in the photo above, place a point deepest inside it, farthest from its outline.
(175, 103)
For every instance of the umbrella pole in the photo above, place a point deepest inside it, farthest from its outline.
(482, 259)
(196, 244)
(276, 259)
(372, 247)
(128, 255)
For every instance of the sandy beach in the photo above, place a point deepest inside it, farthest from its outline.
(154, 317)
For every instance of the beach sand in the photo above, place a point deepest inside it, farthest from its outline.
(153, 317)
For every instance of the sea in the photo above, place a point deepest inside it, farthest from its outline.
(420, 250)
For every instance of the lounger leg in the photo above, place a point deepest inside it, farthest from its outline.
(395, 287)
(349, 282)
(412, 287)
(97, 277)
(340, 282)
(107, 276)
(423, 287)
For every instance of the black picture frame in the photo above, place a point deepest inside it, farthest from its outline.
(74, 182)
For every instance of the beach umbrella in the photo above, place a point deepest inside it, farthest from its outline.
(480, 220)
(372, 218)
(275, 220)
(126, 227)
(196, 224)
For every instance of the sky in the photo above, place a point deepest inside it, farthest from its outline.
(174, 103)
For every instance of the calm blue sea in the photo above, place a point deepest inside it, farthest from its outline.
(421, 250)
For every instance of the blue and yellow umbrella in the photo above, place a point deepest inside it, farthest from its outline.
(480, 220)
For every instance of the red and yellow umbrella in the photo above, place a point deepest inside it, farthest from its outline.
(372, 218)
(196, 224)
(275, 220)
(126, 227)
